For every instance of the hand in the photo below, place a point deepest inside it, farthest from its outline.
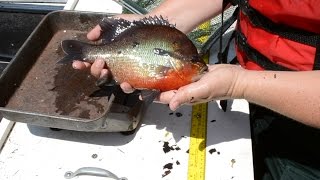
(220, 82)
(98, 67)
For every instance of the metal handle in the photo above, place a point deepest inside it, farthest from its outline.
(92, 171)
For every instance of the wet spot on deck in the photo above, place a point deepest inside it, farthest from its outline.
(166, 173)
(167, 148)
(178, 114)
(168, 166)
(211, 151)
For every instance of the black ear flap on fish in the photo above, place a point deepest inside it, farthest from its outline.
(73, 50)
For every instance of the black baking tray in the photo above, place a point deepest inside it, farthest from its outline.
(37, 90)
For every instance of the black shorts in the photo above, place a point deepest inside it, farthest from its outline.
(283, 148)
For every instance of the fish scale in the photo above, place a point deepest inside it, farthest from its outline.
(142, 55)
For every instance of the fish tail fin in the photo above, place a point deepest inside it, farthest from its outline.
(73, 50)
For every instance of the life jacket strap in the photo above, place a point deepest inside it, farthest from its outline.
(316, 65)
(256, 56)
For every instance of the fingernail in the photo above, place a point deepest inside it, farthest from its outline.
(104, 73)
(126, 88)
(174, 106)
(128, 91)
(99, 63)
(75, 66)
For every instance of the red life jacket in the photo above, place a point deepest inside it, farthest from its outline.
(279, 34)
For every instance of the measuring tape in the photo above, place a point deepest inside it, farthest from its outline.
(197, 151)
(198, 132)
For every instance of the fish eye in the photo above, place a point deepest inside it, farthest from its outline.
(156, 50)
(135, 44)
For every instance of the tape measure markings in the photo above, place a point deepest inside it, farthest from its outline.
(197, 151)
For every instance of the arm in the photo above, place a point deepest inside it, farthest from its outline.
(187, 14)
(293, 94)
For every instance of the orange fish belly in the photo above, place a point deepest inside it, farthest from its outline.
(173, 81)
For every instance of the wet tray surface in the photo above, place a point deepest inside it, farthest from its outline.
(40, 85)
(58, 89)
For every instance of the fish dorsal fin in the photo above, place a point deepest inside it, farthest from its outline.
(155, 20)
(113, 27)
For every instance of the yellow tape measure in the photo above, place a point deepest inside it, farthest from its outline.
(197, 151)
(198, 132)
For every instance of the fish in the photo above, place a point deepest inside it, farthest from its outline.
(150, 54)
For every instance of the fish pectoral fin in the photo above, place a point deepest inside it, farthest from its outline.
(173, 55)
(163, 52)
(149, 95)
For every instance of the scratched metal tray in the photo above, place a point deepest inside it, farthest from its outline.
(37, 90)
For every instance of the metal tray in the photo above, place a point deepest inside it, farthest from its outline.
(37, 90)
(3, 65)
